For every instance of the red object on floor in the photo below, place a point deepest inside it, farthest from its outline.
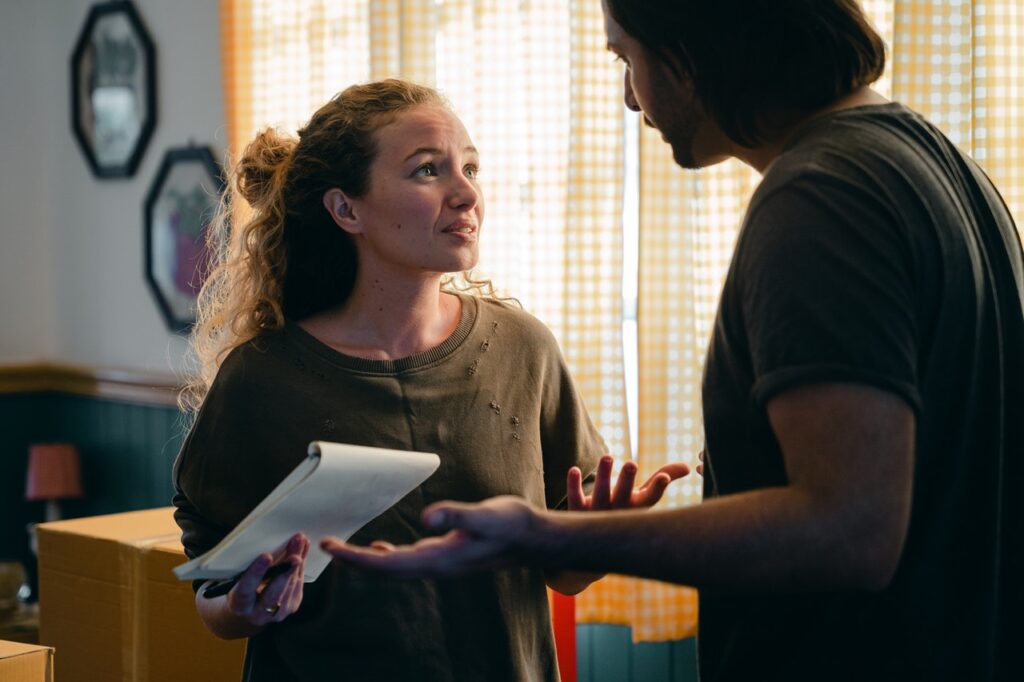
(563, 616)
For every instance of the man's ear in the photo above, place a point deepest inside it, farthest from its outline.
(339, 205)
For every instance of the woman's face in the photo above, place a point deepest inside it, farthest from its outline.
(423, 210)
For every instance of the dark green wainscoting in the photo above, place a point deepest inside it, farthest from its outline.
(127, 450)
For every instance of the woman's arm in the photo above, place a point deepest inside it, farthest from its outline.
(252, 604)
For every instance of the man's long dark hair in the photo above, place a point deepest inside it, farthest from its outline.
(752, 61)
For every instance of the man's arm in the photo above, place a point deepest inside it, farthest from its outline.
(840, 523)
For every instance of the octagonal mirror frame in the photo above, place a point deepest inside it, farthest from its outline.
(113, 89)
(179, 207)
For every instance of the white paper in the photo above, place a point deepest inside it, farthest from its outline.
(336, 490)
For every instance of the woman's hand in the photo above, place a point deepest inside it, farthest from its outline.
(623, 495)
(260, 603)
(605, 497)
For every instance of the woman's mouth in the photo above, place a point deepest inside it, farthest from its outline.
(462, 229)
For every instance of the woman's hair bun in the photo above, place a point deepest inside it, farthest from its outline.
(260, 173)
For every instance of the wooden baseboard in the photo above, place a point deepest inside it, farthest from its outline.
(117, 384)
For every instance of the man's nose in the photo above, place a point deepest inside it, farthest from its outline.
(627, 94)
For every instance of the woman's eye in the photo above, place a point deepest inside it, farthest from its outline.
(426, 170)
(471, 171)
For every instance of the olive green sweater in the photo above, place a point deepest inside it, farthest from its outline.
(494, 401)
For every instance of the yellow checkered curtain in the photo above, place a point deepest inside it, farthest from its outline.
(281, 60)
(961, 64)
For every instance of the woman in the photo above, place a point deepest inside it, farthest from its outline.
(329, 320)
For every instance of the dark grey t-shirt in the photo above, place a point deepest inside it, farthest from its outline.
(874, 252)
(494, 401)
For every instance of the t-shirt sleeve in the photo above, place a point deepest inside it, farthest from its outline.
(826, 285)
(568, 437)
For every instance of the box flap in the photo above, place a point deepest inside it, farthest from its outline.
(89, 547)
(12, 649)
(25, 662)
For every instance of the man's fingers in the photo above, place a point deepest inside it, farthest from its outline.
(444, 516)
(451, 554)
(575, 497)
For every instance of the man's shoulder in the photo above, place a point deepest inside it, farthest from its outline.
(874, 155)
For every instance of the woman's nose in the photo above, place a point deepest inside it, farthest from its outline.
(464, 192)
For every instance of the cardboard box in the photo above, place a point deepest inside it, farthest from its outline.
(113, 611)
(171, 627)
(21, 662)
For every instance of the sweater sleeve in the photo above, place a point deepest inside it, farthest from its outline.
(568, 436)
(233, 455)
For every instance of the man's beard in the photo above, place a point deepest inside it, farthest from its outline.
(683, 136)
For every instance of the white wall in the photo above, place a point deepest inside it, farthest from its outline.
(83, 259)
(27, 275)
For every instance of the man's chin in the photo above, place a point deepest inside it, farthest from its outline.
(685, 157)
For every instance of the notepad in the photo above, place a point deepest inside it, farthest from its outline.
(336, 490)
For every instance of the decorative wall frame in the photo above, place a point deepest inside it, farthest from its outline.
(113, 89)
(180, 204)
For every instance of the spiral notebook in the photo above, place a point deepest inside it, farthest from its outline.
(336, 490)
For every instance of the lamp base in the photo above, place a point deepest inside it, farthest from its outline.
(52, 511)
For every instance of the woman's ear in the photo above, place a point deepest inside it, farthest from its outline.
(339, 206)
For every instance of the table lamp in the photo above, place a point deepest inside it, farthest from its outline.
(53, 474)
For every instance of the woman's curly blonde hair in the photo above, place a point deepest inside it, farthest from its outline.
(277, 254)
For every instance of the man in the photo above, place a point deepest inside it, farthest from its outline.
(864, 386)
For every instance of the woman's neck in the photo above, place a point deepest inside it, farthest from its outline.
(388, 319)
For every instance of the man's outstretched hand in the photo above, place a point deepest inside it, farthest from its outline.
(485, 536)
(500, 531)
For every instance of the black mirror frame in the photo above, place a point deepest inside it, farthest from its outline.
(97, 12)
(173, 156)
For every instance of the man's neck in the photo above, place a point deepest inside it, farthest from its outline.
(759, 158)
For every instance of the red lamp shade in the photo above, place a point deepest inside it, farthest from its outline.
(53, 472)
